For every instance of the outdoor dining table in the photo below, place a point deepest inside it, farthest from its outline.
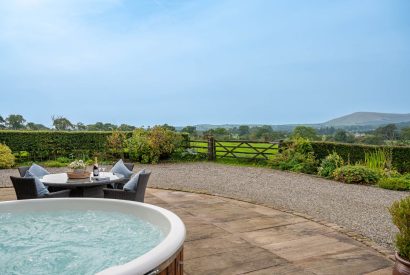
(88, 187)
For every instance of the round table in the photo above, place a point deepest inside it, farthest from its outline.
(88, 187)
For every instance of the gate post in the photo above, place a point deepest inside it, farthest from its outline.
(280, 146)
(211, 148)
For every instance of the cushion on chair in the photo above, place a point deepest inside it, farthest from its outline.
(38, 171)
(120, 168)
(132, 184)
(41, 189)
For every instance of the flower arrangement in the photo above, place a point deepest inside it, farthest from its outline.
(77, 165)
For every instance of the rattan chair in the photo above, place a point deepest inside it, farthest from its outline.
(23, 170)
(26, 189)
(137, 195)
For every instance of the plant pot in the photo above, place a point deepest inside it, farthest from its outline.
(79, 171)
(402, 266)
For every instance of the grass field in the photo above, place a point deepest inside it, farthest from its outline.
(240, 150)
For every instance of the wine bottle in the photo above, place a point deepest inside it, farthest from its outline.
(96, 172)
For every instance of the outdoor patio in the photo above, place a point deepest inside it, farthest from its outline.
(226, 236)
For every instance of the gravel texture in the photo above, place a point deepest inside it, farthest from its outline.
(362, 209)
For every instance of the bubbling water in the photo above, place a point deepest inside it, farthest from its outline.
(72, 242)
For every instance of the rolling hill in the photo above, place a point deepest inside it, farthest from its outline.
(367, 118)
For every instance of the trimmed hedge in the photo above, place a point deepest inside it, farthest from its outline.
(47, 144)
(356, 152)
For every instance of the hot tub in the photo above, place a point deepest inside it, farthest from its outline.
(164, 258)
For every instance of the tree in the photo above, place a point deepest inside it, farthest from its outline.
(35, 126)
(126, 127)
(305, 132)
(168, 127)
(62, 124)
(343, 136)
(99, 126)
(15, 122)
(243, 130)
(405, 134)
(2, 123)
(80, 126)
(388, 132)
(189, 129)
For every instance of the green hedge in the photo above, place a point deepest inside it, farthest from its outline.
(356, 152)
(49, 144)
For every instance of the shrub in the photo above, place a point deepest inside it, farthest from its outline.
(297, 157)
(330, 164)
(400, 212)
(149, 146)
(397, 183)
(6, 157)
(352, 153)
(356, 174)
(116, 144)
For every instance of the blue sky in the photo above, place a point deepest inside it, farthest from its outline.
(186, 62)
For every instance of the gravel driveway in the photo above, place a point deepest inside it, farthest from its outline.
(359, 208)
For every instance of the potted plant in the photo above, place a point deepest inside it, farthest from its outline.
(400, 212)
(78, 166)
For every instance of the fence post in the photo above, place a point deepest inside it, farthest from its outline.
(280, 146)
(211, 148)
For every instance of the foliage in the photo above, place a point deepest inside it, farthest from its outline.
(35, 127)
(43, 145)
(388, 132)
(353, 153)
(189, 129)
(116, 143)
(356, 174)
(378, 159)
(343, 136)
(6, 157)
(405, 134)
(62, 124)
(149, 146)
(15, 122)
(297, 157)
(330, 164)
(395, 183)
(305, 132)
(400, 212)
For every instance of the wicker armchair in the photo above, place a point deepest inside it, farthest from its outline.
(23, 170)
(26, 189)
(137, 195)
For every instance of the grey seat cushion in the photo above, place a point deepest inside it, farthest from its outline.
(120, 168)
(132, 184)
(41, 189)
(38, 171)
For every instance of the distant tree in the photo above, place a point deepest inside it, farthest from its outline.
(373, 140)
(243, 130)
(62, 124)
(343, 136)
(388, 132)
(305, 132)
(15, 122)
(80, 126)
(189, 129)
(168, 127)
(126, 127)
(2, 123)
(99, 126)
(35, 126)
(405, 134)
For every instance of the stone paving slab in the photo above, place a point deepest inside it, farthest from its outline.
(226, 236)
